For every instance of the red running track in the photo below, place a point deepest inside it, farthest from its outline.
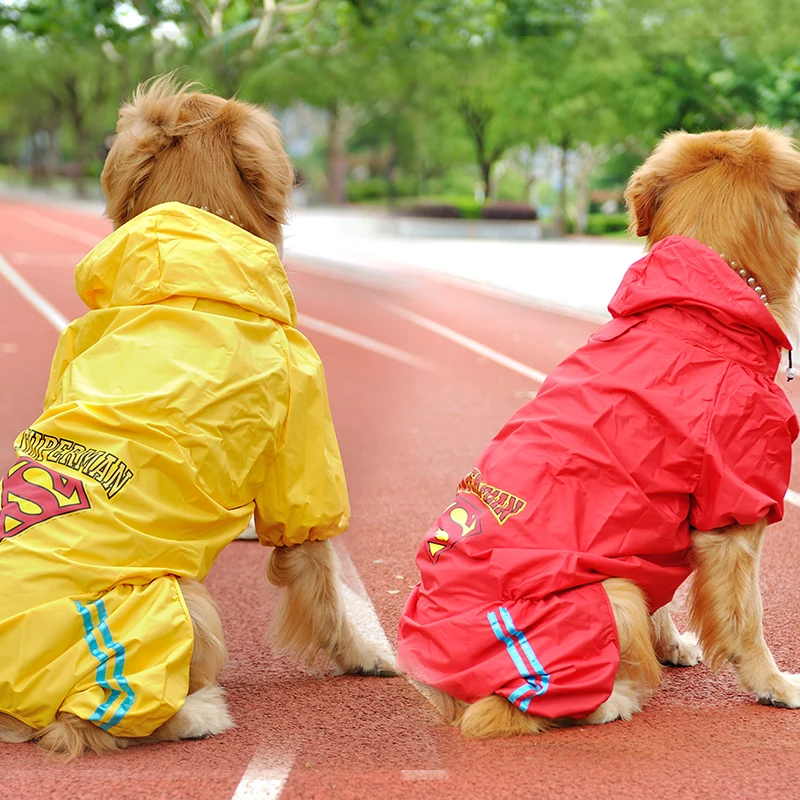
(409, 430)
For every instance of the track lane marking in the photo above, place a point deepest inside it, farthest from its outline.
(44, 307)
(466, 342)
(265, 777)
(364, 342)
(792, 497)
(50, 225)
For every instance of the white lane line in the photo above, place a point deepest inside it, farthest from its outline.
(364, 342)
(362, 611)
(55, 226)
(44, 307)
(469, 344)
(265, 777)
(793, 497)
(357, 601)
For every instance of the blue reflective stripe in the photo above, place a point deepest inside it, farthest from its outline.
(117, 654)
(102, 658)
(518, 692)
(119, 666)
(537, 684)
(526, 648)
(509, 643)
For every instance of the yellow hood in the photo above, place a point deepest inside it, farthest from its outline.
(174, 250)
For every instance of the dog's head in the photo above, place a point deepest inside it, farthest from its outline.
(736, 191)
(176, 145)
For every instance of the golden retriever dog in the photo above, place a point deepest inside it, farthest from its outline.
(660, 449)
(183, 403)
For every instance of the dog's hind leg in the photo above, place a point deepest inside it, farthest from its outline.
(638, 673)
(311, 621)
(493, 716)
(725, 610)
(209, 655)
(672, 647)
(204, 713)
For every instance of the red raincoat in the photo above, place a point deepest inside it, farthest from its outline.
(667, 419)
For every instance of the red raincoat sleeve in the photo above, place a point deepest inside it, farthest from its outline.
(748, 458)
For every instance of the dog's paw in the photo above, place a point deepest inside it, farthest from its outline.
(379, 667)
(203, 714)
(682, 652)
(782, 691)
(625, 701)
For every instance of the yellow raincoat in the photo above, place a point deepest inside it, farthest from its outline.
(183, 402)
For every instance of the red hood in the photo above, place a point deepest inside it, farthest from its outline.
(688, 277)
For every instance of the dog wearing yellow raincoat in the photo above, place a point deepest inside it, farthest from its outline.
(183, 403)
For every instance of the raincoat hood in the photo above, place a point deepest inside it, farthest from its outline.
(168, 251)
(690, 287)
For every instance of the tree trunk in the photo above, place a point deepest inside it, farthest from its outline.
(529, 182)
(391, 167)
(38, 165)
(582, 191)
(52, 155)
(337, 158)
(486, 175)
(82, 153)
(561, 212)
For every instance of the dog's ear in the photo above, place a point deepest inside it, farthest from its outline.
(260, 158)
(784, 166)
(147, 126)
(642, 197)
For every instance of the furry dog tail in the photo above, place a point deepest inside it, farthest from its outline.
(69, 737)
(12, 731)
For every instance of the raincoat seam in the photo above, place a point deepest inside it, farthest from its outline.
(721, 356)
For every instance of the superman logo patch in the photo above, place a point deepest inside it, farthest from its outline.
(31, 494)
(460, 520)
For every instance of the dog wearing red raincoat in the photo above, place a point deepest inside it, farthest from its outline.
(660, 448)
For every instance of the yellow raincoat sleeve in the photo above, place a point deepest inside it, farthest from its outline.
(304, 495)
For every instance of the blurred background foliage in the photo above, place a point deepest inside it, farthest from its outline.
(441, 107)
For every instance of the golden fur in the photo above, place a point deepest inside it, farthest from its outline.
(311, 623)
(173, 144)
(739, 193)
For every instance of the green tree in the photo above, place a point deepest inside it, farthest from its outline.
(74, 57)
